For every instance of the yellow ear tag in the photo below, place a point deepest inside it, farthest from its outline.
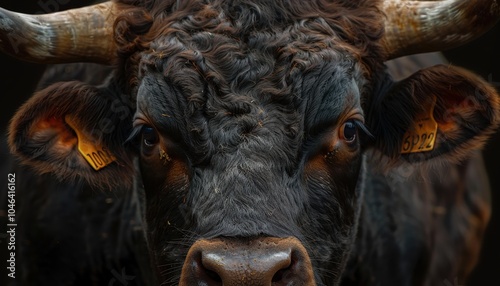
(97, 156)
(422, 136)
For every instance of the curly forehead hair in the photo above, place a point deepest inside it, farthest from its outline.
(226, 30)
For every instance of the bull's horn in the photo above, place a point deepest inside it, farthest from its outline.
(77, 35)
(423, 26)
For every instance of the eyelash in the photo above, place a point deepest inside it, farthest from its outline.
(363, 128)
(134, 139)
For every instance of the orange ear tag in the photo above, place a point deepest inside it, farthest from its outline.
(422, 136)
(97, 156)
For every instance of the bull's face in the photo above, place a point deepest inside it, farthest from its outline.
(246, 149)
(250, 142)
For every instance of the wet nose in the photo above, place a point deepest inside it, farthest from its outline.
(260, 261)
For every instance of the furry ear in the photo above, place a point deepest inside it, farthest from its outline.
(74, 130)
(438, 111)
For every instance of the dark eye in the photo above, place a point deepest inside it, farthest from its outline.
(349, 132)
(149, 136)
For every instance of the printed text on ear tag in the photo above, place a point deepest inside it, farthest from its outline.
(97, 156)
(421, 137)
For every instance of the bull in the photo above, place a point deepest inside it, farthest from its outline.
(267, 139)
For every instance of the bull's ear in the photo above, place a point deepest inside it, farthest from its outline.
(439, 111)
(75, 130)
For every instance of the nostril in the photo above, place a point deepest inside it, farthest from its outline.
(200, 274)
(212, 275)
(288, 274)
(281, 275)
(278, 277)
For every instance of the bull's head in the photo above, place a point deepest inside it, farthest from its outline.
(249, 124)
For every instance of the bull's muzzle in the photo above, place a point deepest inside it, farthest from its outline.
(256, 262)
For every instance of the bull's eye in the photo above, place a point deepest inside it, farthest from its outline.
(349, 132)
(149, 136)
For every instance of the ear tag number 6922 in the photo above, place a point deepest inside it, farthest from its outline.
(421, 137)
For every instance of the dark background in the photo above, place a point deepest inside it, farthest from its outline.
(483, 57)
(18, 80)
